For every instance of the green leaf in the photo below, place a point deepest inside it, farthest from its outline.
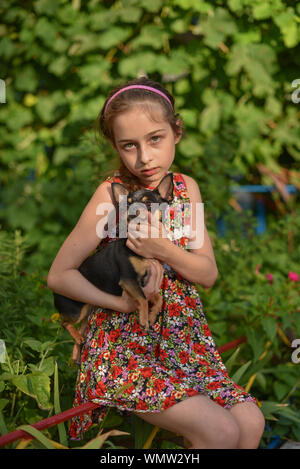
(270, 326)
(236, 377)
(61, 427)
(36, 385)
(38, 435)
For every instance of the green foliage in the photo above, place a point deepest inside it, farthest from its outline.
(230, 66)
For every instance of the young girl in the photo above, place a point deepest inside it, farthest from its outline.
(171, 376)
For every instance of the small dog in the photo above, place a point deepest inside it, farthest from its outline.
(115, 267)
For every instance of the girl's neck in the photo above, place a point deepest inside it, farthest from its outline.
(152, 187)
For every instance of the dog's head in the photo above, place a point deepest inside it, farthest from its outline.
(139, 202)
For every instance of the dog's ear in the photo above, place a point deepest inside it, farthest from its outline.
(165, 187)
(118, 190)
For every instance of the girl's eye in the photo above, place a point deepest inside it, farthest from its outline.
(156, 138)
(128, 146)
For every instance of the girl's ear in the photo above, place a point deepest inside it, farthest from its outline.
(179, 133)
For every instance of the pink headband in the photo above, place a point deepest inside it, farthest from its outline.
(144, 87)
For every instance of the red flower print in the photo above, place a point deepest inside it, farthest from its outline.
(100, 388)
(132, 364)
(166, 333)
(168, 402)
(213, 386)
(203, 362)
(184, 357)
(206, 330)
(191, 392)
(210, 372)
(140, 349)
(174, 310)
(129, 390)
(147, 372)
(163, 355)
(190, 321)
(113, 355)
(190, 302)
(220, 401)
(180, 374)
(159, 384)
(114, 335)
(116, 371)
(100, 340)
(199, 348)
(141, 405)
(157, 351)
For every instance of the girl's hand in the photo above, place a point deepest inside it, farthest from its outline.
(149, 239)
(127, 304)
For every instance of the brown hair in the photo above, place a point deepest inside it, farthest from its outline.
(123, 102)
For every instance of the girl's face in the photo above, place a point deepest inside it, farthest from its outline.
(144, 144)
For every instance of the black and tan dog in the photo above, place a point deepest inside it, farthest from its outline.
(115, 267)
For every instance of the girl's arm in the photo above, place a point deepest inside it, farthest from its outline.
(63, 276)
(197, 265)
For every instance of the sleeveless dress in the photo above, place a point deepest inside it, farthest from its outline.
(129, 369)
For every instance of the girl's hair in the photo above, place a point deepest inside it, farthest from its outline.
(122, 103)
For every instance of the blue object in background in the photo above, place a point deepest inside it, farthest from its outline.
(247, 201)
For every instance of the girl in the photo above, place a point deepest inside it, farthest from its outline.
(172, 376)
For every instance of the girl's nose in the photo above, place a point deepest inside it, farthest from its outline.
(144, 154)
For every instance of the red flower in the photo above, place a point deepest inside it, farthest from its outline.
(116, 371)
(190, 302)
(200, 349)
(191, 392)
(180, 374)
(147, 372)
(190, 321)
(174, 310)
(168, 402)
(210, 372)
(220, 401)
(113, 355)
(114, 335)
(184, 357)
(159, 384)
(163, 355)
(132, 364)
(166, 333)
(100, 388)
(157, 351)
(100, 340)
(213, 386)
(206, 330)
(141, 405)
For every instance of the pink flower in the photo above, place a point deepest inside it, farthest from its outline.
(270, 278)
(294, 277)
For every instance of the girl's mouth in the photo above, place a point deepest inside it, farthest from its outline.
(149, 172)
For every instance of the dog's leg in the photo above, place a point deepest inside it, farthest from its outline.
(136, 293)
(73, 332)
(156, 301)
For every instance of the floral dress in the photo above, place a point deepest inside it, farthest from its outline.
(129, 369)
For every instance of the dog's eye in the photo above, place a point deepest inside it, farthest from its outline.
(130, 200)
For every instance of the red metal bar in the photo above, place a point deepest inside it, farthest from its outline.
(47, 423)
(81, 409)
(231, 345)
